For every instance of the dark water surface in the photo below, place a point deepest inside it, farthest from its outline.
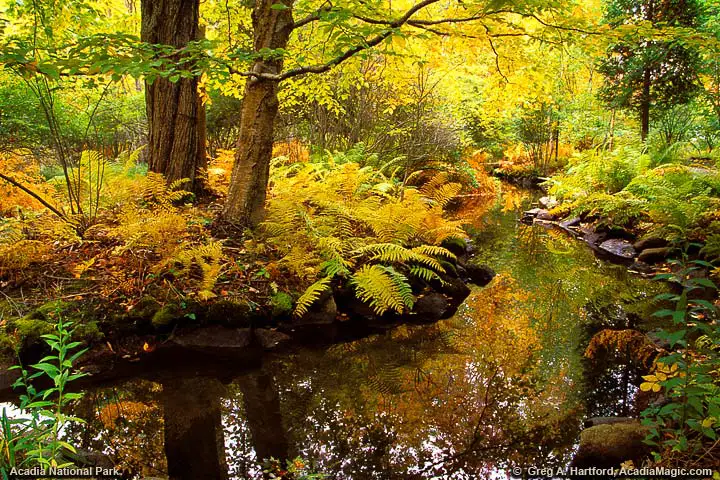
(503, 383)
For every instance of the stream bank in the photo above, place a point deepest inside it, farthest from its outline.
(504, 382)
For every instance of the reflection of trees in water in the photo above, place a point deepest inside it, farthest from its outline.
(611, 375)
(465, 395)
(126, 424)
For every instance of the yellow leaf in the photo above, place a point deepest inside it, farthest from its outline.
(646, 386)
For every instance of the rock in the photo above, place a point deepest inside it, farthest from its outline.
(621, 250)
(641, 267)
(610, 444)
(650, 242)
(544, 215)
(480, 275)
(88, 458)
(654, 255)
(594, 421)
(215, 339)
(271, 339)
(454, 290)
(570, 222)
(548, 202)
(451, 287)
(322, 312)
(456, 246)
(538, 213)
(591, 237)
(429, 308)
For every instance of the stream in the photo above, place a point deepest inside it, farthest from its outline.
(503, 383)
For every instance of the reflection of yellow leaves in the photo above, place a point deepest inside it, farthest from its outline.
(627, 465)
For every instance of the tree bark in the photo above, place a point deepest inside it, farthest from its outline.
(176, 115)
(248, 184)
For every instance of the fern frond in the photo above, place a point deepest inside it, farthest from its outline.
(434, 251)
(423, 273)
(310, 296)
(382, 288)
(392, 253)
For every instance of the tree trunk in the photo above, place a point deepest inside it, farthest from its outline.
(248, 183)
(176, 116)
(192, 417)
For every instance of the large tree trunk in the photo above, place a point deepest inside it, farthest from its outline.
(176, 116)
(248, 183)
(194, 441)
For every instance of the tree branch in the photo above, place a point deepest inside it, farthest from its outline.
(313, 17)
(36, 196)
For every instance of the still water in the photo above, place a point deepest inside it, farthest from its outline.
(503, 383)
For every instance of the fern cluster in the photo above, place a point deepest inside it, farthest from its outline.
(673, 201)
(337, 219)
(209, 259)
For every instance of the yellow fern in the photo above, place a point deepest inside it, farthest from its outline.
(310, 296)
(208, 257)
(382, 288)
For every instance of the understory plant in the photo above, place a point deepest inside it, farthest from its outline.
(34, 437)
(684, 429)
(674, 201)
(331, 220)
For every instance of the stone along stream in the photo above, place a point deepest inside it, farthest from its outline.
(503, 383)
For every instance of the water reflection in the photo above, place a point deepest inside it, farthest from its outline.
(503, 383)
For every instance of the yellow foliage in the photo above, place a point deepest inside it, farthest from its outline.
(334, 219)
(160, 230)
(25, 171)
(20, 254)
(208, 258)
(219, 170)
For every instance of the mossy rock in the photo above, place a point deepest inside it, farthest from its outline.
(609, 445)
(457, 246)
(145, 309)
(228, 312)
(30, 328)
(88, 332)
(50, 310)
(166, 317)
(282, 304)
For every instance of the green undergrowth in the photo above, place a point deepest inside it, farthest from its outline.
(630, 188)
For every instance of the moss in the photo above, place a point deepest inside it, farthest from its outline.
(49, 310)
(88, 332)
(457, 246)
(227, 312)
(281, 303)
(165, 317)
(30, 328)
(146, 308)
(7, 346)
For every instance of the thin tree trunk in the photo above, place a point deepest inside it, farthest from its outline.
(176, 143)
(645, 106)
(248, 183)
